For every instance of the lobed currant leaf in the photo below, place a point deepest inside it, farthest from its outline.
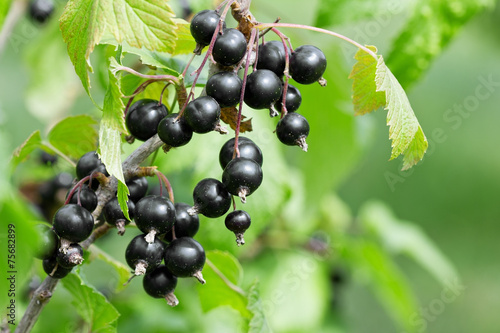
(74, 136)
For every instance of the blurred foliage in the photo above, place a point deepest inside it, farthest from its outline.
(317, 241)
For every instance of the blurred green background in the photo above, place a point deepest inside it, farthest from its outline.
(451, 195)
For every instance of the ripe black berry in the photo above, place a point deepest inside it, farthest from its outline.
(211, 198)
(185, 257)
(293, 99)
(54, 270)
(154, 215)
(225, 88)
(185, 225)
(307, 64)
(138, 187)
(293, 130)
(49, 242)
(142, 256)
(242, 176)
(272, 57)
(41, 10)
(247, 149)
(71, 257)
(230, 47)
(263, 89)
(89, 163)
(203, 26)
(238, 221)
(161, 283)
(73, 223)
(174, 133)
(143, 117)
(202, 114)
(88, 198)
(47, 159)
(114, 214)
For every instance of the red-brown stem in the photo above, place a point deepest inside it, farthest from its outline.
(167, 184)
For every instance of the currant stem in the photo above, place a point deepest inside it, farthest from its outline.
(167, 184)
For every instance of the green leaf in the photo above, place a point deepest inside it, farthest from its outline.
(258, 322)
(121, 269)
(21, 153)
(122, 195)
(370, 263)
(429, 30)
(335, 12)
(223, 274)
(185, 42)
(74, 136)
(140, 23)
(91, 305)
(4, 10)
(404, 130)
(404, 237)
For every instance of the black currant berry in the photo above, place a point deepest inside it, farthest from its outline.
(154, 215)
(73, 223)
(185, 225)
(114, 214)
(71, 257)
(307, 64)
(138, 187)
(88, 198)
(272, 57)
(41, 10)
(211, 198)
(49, 242)
(203, 26)
(174, 132)
(225, 88)
(247, 149)
(293, 129)
(89, 163)
(185, 257)
(161, 283)
(47, 159)
(143, 118)
(142, 256)
(293, 99)
(238, 221)
(242, 176)
(202, 114)
(230, 47)
(263, 89)
(54, 270)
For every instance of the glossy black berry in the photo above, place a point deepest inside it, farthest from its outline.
(154, 214)
(263, 89)
(242, 176)
(225, 88)
(185, 225)
(53, 269)
(49, 242)
(114, 214)
(73, 223)
(230, 47)
(293, 129)
(138, 187)
(307, 64)
(211, 198)
(272, 57)
(89, 163)
(238, 221)
(161, 283)
(41, 10)
(174, 132)
(247, 147)
(142, 256)
(203, 26)
(143, 118)
(87, 196)
(71, 257)
(293, 99)
(185, 257)
(202, 114)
